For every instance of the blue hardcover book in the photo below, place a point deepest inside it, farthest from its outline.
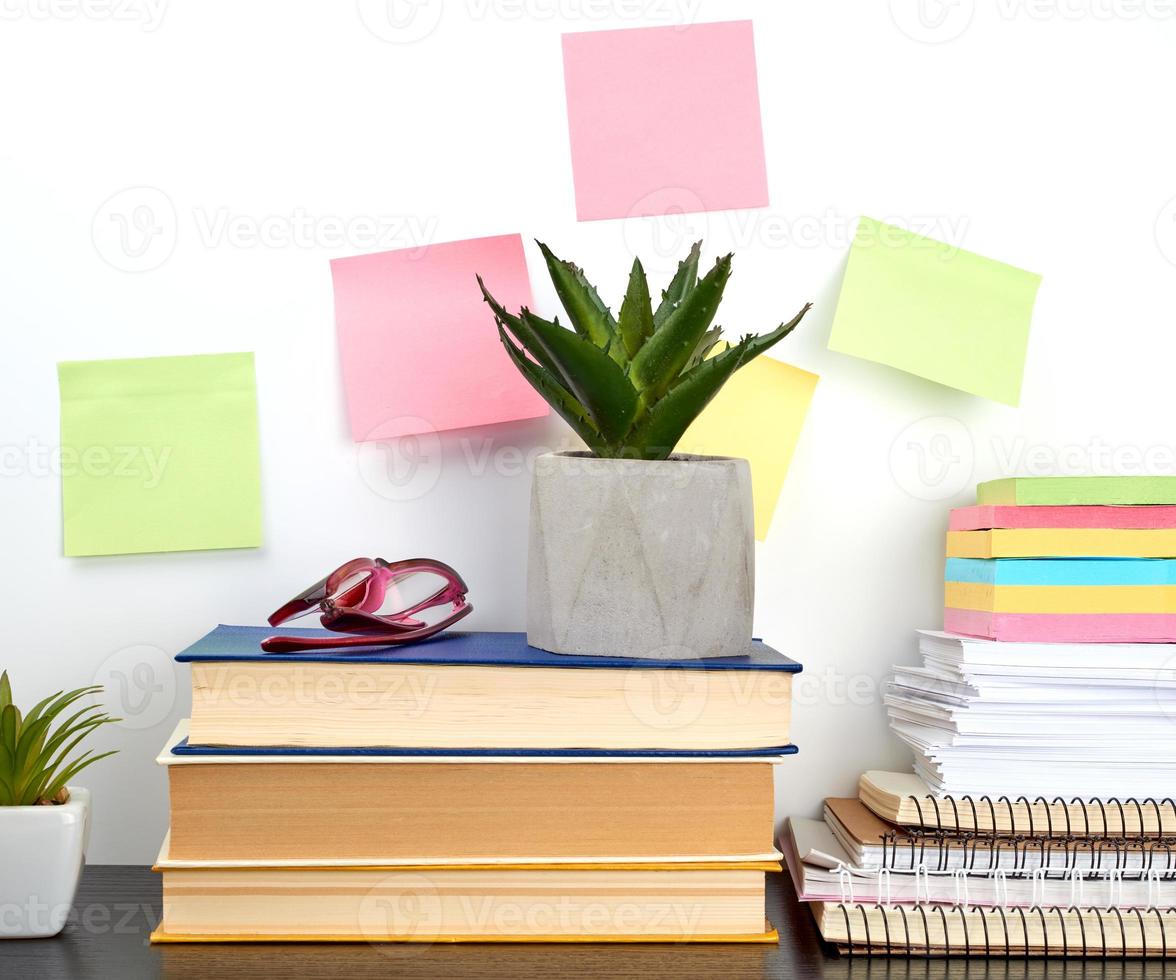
(481, 694)
(238, 643)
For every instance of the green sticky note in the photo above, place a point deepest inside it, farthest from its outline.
(159, 454)
(934, 310)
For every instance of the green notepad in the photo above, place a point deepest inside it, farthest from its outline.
(937, 311)
(159, 454)
(1067, 490)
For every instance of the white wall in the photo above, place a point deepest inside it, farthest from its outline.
(1041, 134)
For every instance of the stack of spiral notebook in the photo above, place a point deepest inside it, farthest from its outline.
(471, 788)
(1037, 820)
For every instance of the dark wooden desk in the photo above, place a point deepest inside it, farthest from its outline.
(117, 907)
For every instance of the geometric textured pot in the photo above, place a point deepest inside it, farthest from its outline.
(640, 558)
(42, 850)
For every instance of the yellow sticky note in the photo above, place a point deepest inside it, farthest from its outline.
(757, 415)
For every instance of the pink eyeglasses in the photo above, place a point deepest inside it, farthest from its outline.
(382, 602)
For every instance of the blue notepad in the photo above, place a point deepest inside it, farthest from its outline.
(242, 644)
(1061, 571)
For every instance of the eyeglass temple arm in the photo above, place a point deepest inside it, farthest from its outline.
(300, 644)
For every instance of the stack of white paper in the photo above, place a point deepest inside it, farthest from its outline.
(1011, 719)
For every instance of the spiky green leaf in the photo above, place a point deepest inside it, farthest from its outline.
(558, 397)
(594, 379)
(685, 279)
(5, 690)
(758, 344)
(59, 782)
(664, 354)
(588, 315)
(34, 757)
(636, 320)
(83, 721)
(665, 423)
(709, 341)
(522, 332)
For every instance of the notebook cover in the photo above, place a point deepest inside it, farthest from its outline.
(241, 644)
(859, 821)
(183, 748)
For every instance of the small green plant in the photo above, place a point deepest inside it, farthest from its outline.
(36, 763)
(630, 385)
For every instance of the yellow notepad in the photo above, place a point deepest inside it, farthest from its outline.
(1062, 543)
(1142, 599)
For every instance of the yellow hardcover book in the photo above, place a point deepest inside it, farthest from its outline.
(234, 902)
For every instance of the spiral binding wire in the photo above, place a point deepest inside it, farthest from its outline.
(907, 850)
(1008, 932)
(933, 812)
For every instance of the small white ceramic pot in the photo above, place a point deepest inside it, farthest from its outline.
(638, 558)
(42, 851)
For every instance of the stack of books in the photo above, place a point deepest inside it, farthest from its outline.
(471, 788)
(1038, 818)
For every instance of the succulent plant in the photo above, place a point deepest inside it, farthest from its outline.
(631, 384)
(35, 764)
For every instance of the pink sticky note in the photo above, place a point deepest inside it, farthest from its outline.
(664, 120)
(419, 348)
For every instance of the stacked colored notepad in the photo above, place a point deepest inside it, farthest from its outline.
(1067, 560)
(471, 788)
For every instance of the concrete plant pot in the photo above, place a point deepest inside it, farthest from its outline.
(42, 851)
(643, 559)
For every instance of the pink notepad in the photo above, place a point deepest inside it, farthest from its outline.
(1062, 628)
(419, 348)
(983, 518)
(664, 120)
